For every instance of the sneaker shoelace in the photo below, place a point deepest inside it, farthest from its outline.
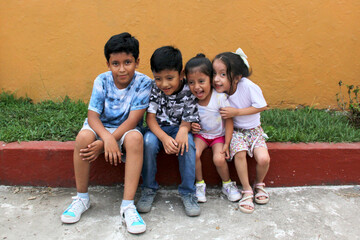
(132, 214)
(200, 188)
(75, 206)
(191, 201)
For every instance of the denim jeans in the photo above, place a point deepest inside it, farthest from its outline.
(152, 146)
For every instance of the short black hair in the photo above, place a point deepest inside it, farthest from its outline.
(199, 63)
(122, 42)
(166, 58)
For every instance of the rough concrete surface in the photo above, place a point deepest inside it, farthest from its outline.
(326, 212)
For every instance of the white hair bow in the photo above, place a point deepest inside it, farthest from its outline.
(241, 53)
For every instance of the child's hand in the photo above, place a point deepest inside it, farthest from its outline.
(228, 112)
(111, 150)
(170, 145)
(92, 151)
(225, 150)
(182, 140)
(195, 128)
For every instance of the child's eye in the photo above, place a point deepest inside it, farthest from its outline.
(191, 82)
(223, 74)
(127, 62)
(115, 63)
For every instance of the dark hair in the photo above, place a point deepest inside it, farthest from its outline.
(122, 42)
(199, 63)
(166, 58)
(235, 66)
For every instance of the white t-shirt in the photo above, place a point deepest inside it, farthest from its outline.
(212, 125)
(247, 94)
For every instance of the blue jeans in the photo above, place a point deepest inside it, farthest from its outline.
(152, 146)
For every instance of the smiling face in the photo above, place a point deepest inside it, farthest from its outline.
(200, 86)
(221, 81)
(168, 81)
(122, 65)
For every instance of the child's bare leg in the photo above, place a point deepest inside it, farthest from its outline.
(242, 170)
(133, 144)
(262, 158)
(200, 145)
(220, 162)
(82, 167)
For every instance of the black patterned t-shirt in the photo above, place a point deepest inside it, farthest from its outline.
(172, 110)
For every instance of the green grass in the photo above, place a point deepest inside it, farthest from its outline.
(22, 120)
(308, 125)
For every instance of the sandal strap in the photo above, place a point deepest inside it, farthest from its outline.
(246, 198)
(244, 202)
(260, 184)
(262, 192)
(247, 191)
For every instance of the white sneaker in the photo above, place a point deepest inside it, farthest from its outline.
(134, 223)
(231, 191)
(201, 192)
(73, 213)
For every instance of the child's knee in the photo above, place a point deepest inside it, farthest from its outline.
(263, 160)
(134, 138)
(240, 156)
(84, 138)
(219, 160)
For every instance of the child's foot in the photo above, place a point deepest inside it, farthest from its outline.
(246, 204)
(201, 192)
(145, 202)
(134, 223)
(192, 208)
(231, 191)
(261, 195)
(73, 213)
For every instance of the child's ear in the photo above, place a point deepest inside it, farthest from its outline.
(182, 74)
(108, 65)
(237, 79)
(137, 63)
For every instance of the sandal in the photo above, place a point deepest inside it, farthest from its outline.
(244, 202)
(261, 192)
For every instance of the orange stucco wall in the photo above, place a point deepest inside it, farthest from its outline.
(299, 50)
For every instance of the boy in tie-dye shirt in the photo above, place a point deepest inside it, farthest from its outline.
(117, 105)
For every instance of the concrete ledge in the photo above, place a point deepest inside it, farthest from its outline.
(50, 164)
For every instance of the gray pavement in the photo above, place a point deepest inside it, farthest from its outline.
(292, 213)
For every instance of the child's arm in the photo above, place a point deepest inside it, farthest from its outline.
(229, 128)
(182, 137)
(230, 112)
(170, 145)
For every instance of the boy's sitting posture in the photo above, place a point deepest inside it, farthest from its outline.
(171, 110)
(117, 104)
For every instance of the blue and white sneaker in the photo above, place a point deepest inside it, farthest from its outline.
(73, 213)
(134, 223)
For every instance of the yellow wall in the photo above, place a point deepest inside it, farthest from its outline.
(299, 50)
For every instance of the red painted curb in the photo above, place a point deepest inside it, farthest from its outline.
(50, 164)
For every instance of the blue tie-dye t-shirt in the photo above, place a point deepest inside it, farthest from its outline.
(113, 104)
